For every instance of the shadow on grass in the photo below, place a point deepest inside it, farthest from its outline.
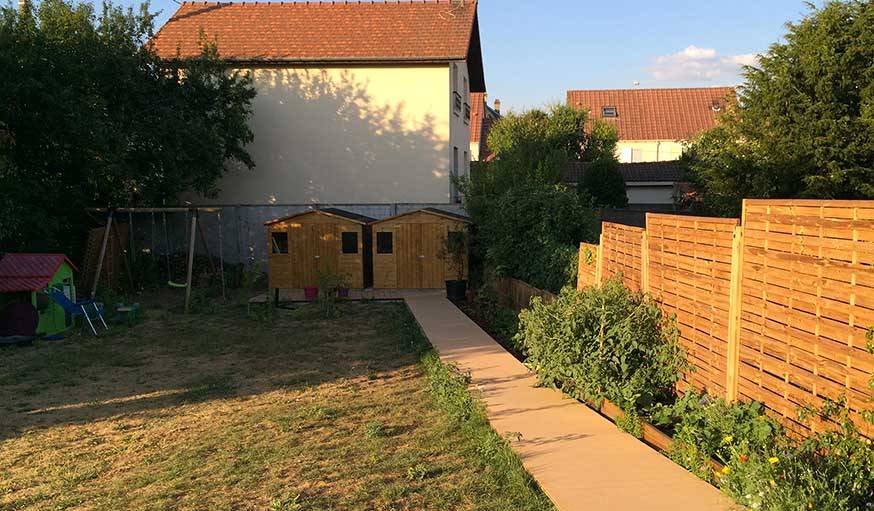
(172, 360)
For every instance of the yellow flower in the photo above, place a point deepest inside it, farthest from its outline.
(773, 459)
(773, 483)
(728, 439)
(726, 469)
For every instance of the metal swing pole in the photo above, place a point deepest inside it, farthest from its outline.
(221, 254)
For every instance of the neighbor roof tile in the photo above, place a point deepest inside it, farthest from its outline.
(656, 114)
(322, 31)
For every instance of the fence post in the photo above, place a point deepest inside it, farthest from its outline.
(599, 269)
(644, 263)
(734, 314)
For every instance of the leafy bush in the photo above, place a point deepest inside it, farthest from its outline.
(91, 116)
(603, 182)
(701, 424)
(527, 224)
(532, 233)
(604, 342)
(830, 471)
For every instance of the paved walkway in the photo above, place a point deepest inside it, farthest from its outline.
(580, 459)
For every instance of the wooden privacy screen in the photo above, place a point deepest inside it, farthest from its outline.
(690, 274)
(621, 253)
(808, 298)
(519, 293)
(776, 310)
(587, 273)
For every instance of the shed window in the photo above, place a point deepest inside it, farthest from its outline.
(279, 242)
(350, 242)
(384, 242)
(609, 111)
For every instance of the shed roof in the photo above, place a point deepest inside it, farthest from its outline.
(300, 32)
(29, 272)
(431, 211)
(656, 114)
(334, 212)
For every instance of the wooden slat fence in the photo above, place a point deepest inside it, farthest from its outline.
(587, 274)
(621, 253)
(518, 293)
(808, 300)
(775, 310)
(690, 274)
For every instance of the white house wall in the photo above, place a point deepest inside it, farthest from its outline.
(349, 135)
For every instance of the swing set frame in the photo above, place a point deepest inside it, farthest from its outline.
(196, 227)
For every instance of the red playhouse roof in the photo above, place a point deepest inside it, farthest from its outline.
(29, 272)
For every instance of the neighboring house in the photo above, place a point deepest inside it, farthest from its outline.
(358, 102)
(650, 186)
(653, 124)
(482, 117)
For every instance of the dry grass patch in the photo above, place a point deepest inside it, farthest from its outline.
(223, 412)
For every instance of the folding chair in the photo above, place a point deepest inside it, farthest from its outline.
(79, 308)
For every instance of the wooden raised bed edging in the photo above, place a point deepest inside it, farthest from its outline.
(652, 436)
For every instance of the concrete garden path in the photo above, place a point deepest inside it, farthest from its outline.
(579, 458)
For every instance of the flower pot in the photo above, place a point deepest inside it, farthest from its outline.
(342, 292)
(311, 293)
(456, 289)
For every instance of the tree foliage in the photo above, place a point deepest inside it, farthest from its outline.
(90, 116)
(804, 125)
(529, 224)
(604, 183)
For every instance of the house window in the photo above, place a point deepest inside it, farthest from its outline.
(350, 242)
(279, 242)
(454, 77)
(466, 164)
(466, 91)
(384, 243)
(609, 111)
(453, 186)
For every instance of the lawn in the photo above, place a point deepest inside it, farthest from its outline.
(219, 411)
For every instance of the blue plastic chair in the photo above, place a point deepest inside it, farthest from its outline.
(79, 308)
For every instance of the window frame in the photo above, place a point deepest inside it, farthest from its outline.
(343, 237)
(276, 248)
(380, 245)
(614, 112)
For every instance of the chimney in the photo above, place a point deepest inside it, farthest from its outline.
(497, 105)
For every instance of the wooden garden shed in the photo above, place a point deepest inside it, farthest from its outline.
(406, 249)
(321, 240)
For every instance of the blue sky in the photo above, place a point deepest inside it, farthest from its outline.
(535, 50)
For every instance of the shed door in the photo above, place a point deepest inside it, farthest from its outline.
(317, 248)
(418, 263)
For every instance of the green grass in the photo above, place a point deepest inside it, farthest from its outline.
(217, 411)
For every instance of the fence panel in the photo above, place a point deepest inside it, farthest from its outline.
(518, 293)
(807, 302)
(621, 251)
(690, 274)
(588, 265)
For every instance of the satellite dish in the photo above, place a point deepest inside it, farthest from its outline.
(635, 83)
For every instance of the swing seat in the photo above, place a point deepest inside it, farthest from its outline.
(177, 285)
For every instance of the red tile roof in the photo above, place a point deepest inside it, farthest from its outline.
(322, 31)
(481, 119)
(29, 272)
(477, 107)
(656, 114)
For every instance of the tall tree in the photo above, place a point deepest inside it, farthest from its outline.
(90, 116)
(804, 124)
(528, 223)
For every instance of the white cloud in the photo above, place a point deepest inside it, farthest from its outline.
(698, 64)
